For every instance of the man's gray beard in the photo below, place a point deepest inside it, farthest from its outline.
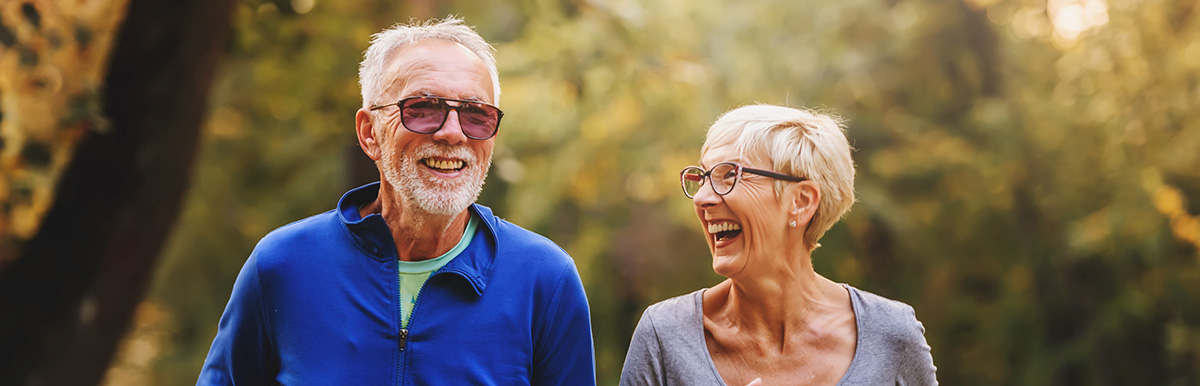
(434, 195)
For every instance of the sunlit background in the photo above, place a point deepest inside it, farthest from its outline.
(1029, 174)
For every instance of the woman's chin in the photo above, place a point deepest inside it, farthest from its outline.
(727, 266)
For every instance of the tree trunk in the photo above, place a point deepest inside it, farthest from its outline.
(68, 297)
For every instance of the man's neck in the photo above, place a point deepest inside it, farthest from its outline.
(418, 235)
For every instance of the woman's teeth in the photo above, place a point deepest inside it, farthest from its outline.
(723, 227)
(725, 230)
(443, 164)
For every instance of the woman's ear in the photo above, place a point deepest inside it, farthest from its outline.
(365, 129)
(805, 197)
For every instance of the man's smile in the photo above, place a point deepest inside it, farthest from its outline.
(443, 165)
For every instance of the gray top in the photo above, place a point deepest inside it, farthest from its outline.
(668, 345)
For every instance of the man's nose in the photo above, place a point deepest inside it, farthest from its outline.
(451, 132)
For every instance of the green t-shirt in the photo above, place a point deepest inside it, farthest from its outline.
(413, 274)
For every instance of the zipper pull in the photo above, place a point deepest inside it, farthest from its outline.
(403, 338)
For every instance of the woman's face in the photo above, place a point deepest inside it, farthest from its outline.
(745, 227)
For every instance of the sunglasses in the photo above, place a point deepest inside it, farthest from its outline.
(722, 177)
(427, 115)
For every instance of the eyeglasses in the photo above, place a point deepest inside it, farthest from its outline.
(723, 177)
(426, 115)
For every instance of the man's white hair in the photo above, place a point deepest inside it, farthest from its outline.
(371, 76)
(802, 143)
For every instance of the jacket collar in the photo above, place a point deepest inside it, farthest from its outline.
(373, 237)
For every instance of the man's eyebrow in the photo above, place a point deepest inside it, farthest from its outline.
(474, 99)
(427, 93)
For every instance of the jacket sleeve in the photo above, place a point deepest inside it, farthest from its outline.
(563, 347)
(242, 353)
(643, 362)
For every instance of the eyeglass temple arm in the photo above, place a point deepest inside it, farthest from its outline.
(772, 174)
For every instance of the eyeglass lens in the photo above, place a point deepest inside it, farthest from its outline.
(427, 115)
(722, 177)
(691, 178)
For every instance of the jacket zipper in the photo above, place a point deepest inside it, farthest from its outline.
(403, 338)
(403, 332)
(411, 318)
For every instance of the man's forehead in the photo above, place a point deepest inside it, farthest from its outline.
(429, 53)
(428, 66)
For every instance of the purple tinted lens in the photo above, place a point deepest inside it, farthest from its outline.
(478, 121)
(427, 115)
(423, 115)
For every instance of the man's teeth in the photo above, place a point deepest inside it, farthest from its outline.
(443, 164)
(723, 227)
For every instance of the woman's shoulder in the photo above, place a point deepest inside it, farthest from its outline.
(867, 301)
(681, 309)
(668, 345)
(889, 333)
(894, 320)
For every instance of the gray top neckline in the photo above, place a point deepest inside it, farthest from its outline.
(668, 345)
(698, 300)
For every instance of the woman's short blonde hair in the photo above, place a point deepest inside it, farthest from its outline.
(802, 143)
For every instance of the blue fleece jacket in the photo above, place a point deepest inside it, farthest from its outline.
(317, 304)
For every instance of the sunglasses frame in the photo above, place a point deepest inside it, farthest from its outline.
(707, 175)
(442, 101)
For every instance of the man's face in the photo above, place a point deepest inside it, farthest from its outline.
(440, 173)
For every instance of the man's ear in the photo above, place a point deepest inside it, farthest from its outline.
(805, 197)
(365, 129)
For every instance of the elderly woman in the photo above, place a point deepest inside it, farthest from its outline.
(771, 181)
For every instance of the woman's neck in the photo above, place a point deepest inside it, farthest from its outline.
(773, 304)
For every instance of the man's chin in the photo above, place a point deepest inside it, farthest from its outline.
(442, 202)
(441, 209)
(435, 196)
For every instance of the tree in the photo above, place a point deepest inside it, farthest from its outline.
(68, 289)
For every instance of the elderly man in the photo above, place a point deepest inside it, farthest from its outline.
(408, 282)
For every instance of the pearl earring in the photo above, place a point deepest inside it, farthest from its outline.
(792, 224)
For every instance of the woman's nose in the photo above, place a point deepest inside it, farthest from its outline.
(706, 197)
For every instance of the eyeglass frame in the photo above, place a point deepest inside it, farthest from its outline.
(707, 175)
(461, 102)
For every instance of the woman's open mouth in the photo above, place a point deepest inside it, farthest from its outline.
(724, 232)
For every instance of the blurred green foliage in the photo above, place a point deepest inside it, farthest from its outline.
(1029, 173)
